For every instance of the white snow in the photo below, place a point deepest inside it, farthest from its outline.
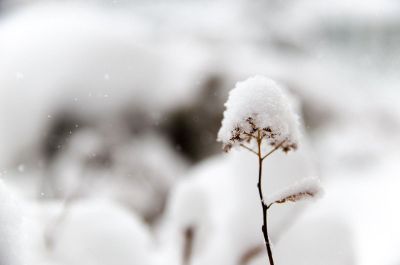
(92, 232)
(264, 102)
(219, 200)
(98, 232)
(305, 189)
(337, 57)
(11, 228)
(55, 36)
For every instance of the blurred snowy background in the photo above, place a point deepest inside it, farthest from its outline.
(109, 111)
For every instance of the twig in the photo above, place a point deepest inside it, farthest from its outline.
(189, 234)
(263, 204)
(250, 254)
(250, 135)
(248, 148)
(273, 150)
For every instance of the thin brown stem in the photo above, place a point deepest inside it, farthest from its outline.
(263, 204)
(273, 150)
(250, 135)
(250, 254)
(248, 148)
(189, 235)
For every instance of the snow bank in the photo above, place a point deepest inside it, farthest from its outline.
(326, 239)
(12, 248)
(100, 232)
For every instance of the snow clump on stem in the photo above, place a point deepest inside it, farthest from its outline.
(307, 188)
(255, 106)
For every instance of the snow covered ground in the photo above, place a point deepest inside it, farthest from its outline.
(109, 113)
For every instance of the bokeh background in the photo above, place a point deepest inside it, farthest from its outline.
(109, 111)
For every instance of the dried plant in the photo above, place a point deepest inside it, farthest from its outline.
(189, 235)
(258, 113)
(296, 197)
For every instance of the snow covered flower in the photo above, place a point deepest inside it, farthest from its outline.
(258, 111)
(255, 106)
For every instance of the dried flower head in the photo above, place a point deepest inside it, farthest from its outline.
(259, 106)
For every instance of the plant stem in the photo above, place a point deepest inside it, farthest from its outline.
(263, 204)
(248, 148)
(273, 150)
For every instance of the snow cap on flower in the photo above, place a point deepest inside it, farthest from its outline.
(255, 106)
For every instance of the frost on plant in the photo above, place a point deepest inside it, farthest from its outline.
(259, 105)
(259, 114)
